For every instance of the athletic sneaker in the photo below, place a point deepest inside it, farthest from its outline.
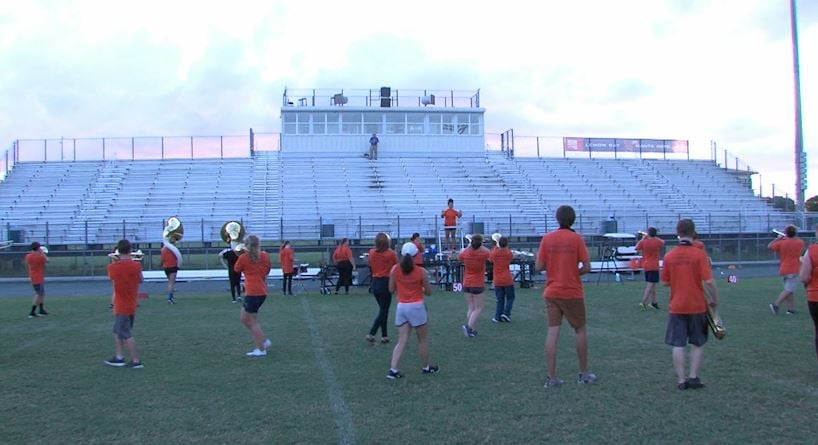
(553, 383)
(790, 312)
(171, 301)
(694, 383)
(384, 340)
(586, 377)
(135, 365)
(466, 331)
(774, 309)
(472, 332)
(370, 339)
(505, 318)
(267, 343)
(430, 369)
(32, 315)
(494, 320)
(256, 353)
(234, 300)
(115, 362)
(393, 375)
(655, 306)
(43, 312)
(642, 307)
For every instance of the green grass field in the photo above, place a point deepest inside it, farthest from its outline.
(322, 383)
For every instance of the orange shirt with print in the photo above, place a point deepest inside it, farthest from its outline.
(419, 255)
(342, 253)
(684, 269)
(450, 217)
(126, 275)
(285, 257)
(812, 287)
(650, 248)
(380, 263)
(255, 274)
(501, 260)
(168, 258)
(560, 253)
(409, 286)
(789, 253)
(474, 265)
(36, 267)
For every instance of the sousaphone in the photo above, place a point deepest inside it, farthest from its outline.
(232, 233)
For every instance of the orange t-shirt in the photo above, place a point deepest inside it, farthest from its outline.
(168, 258)
(560, 252)
(380, 263)
(501, 260)
(409, 286)
(812, 287)
(698, 244)
(36, 267)
(789, 252)
(650, 248)
(285, 257)
(474, 265)
(685, 267)
(419, 255)
(450, 217)
(126, 275)
(342, 253)
(255, 274)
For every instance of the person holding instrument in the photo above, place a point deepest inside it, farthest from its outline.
(789, 248)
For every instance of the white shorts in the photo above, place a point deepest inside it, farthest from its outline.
(790, 282)
(412, 313)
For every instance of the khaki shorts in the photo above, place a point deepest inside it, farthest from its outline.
(790, 282)
(572, 308)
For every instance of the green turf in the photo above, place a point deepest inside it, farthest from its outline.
(322, 383)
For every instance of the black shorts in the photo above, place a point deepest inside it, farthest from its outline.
(451, 231)
(473, 290)
(253, 303)
(686, 328)
(652, 276)
(170, 270)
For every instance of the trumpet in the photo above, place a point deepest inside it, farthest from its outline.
(779, 233)
(643, 233)
(44, 250)
(136, 256)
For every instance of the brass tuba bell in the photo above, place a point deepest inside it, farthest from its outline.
(232, 232)
(174, 231)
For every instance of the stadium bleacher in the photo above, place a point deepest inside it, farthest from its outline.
(292, 195)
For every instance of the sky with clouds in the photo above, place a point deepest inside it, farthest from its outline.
(700, 70)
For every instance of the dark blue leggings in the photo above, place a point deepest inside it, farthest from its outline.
(813, 312)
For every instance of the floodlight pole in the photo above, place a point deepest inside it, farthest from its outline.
(800, 156)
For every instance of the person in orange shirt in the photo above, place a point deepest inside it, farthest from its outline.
(381, 260)
(564, 257)
(342, 257)
(686, 271)
(474, 257)
(809, 276)
(286, 257)
(35, 263)
(500, 259)
(417, 242)
(450, 216)
(255, 265)
(651, 247)
(789, 250)
(171, 260)
(411, 284)
(126, 274)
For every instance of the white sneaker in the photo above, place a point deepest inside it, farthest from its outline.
(256, 353)
(267, 344)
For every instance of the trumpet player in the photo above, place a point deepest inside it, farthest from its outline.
(126, 274)
(687, 272)
(35, 263)
(789, 248)
(650, 246)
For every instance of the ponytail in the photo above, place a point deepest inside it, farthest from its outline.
(407, 264)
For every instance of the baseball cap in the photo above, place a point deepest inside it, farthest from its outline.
(409, 249)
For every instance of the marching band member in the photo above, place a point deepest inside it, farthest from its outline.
(125, 274)
(381, 260)
(170, 255)
(286, 257)
(35, 263)
(342, 257)
(650, 246)
(809, 276)
(474, 257)
(255, 264)
(450, 216)
(685, 269)
(411, 284)
(500, 259)
(228, 258)
(417, 242)
(789, 248)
